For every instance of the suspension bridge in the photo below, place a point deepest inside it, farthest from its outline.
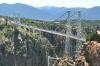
(79, 36)
(68, 34)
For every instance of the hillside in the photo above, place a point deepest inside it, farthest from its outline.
(21, 45)
(46, 13)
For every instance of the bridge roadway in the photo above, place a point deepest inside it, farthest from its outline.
(52, 32)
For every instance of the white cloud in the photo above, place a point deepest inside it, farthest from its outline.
(58, 3)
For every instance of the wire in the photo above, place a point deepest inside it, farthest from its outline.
(60, 16)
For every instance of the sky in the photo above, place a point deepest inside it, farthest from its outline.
(57, 3)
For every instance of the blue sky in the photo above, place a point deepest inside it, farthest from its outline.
(57, 3)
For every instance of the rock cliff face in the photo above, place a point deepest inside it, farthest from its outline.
(89, 56)
(22, 47)
(91, 52)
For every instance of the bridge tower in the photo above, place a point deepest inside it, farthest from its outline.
(72, 46)
(67, 42)
(16, 17)
(79, 34)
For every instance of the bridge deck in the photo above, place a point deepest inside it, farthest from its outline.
(52, 32)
